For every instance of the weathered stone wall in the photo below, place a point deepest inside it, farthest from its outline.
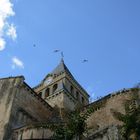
(61, 99)
(69, 103)
(7, 94)
(43, 86)
(77, 88)
(55, 99)
(19, 105)
(32, 133)
(108, 133)
(31, 103)
(103, 117)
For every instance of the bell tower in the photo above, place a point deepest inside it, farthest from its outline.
(59, 88)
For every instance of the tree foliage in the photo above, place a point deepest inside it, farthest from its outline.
(74, 124)
(131, 118)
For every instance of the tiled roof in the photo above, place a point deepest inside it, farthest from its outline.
(61, 68)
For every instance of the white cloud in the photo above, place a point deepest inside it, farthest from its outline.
(6, 10)
(2, 44)
(11, 32)
(16, 62)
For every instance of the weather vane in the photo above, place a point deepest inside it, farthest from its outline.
(62, 54)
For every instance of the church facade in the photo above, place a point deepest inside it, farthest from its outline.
(22, 106)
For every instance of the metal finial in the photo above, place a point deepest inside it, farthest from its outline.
(62, 55)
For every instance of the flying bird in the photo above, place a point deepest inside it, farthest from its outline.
(55, 51)
(84, 61)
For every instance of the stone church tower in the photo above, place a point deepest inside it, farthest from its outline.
(59, 88)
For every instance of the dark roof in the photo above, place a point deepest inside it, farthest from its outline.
(61, 68)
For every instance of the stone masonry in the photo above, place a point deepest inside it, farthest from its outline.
(19, 105)
(22, 106)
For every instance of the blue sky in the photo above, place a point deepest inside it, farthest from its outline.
(106, 32)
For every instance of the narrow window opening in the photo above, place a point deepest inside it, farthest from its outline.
(77, 95)
(47, 92)
(40, 94)
(55, 87)
(83, 100)
(71, 89)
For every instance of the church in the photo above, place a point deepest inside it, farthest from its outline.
(59, 88)
(21, 106)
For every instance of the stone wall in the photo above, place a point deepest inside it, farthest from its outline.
(55, 99)
(42, 86)
(7, 93)
(32, 133)
(103, 117)
(61, 99)
(19, 105)
(108, 133)
(69, 102)
(76, 88)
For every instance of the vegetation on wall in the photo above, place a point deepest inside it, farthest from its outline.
(72, 125)
(131, 119)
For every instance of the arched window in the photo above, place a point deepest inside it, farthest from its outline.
(83, 100)
(77, 95)
(55, 87)
(40, 94)
(71, 89)
(47, 92)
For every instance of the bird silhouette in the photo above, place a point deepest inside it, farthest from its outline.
(84, 61)
(55, 51)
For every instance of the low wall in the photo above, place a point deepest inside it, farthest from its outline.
(32, 133)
